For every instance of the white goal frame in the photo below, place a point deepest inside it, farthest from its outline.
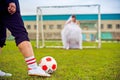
(39, 22)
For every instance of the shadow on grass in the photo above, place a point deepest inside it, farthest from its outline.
(27, 78)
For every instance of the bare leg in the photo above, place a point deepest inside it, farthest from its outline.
(26, 49)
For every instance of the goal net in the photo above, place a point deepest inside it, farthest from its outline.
(50, 21)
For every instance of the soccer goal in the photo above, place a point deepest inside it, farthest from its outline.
(50, 22)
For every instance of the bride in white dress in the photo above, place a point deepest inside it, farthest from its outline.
(72, 34)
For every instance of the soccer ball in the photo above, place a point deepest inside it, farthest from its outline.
(48, 64)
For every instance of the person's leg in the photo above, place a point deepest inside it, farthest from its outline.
(2, 43)
(2, 36)
(0, 49)
(26, 49)
(1, 72)
(15, 24)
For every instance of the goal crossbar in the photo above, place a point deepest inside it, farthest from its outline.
(68, 6)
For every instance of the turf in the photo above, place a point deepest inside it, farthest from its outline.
(86, 64)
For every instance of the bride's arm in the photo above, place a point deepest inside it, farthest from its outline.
(68, 22)
(78, 22)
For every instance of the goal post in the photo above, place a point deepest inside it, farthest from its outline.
(39, 16)
(40, 43)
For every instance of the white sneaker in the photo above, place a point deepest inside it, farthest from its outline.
(4, 74)
(38, 72)
(67, 47)
(81, 48)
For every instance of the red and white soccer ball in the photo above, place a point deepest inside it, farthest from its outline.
(48, 64)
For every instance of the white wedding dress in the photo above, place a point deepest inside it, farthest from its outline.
(72, 36)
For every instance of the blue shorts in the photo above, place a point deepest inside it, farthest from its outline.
(15, 25)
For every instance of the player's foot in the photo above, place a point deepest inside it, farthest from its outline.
(4, 74)
(67, 47)
(38, 72)
(81, 48)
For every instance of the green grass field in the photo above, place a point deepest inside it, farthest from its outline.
(86, 64)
